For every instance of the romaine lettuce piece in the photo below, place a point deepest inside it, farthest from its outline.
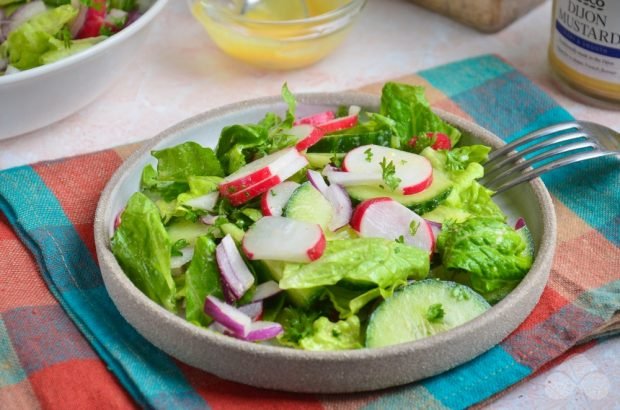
(202, 279)
(184, 160)
(32, 39)
(60, 49)
(366, 261)
(142, 247)
(494, 256)
(408, 107)
(349, 301)
(326, 335)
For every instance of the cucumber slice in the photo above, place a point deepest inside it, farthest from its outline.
(420, 203)
(309, 205)
(274, 270)
(345, 141)
(423, 309)
(187, 230)
(318, 160)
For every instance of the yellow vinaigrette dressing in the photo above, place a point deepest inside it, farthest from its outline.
(585, 47)
(256, 37)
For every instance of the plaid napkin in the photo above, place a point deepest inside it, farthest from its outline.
(63, 344)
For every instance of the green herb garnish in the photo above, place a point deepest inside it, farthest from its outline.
(388, 170)
(435, 313)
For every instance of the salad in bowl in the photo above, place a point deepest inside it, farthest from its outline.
(39, 32)
(340, 230)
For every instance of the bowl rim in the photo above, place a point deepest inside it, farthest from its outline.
(349, 9)
(63, 63)
(530, 283)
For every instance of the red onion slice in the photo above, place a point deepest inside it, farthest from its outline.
(79, 20)
(263, 330)
(317, 181)
(209, 219)
(341, 205)
(25, 13)
(234, 272)
(228, 316)
(254, 310)
(266, 290)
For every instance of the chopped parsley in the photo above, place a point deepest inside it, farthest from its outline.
(435, 313)
(388, 170)
(400, 239)
(413, 227)
(177, 246)
(368, 153)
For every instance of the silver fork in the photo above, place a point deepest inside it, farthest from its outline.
(560, 144)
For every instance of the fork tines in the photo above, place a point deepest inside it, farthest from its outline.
(545, 149)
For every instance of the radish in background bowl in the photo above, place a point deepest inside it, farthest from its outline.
(38, 96)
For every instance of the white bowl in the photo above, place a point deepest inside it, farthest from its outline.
(294, 370)
(34, 98)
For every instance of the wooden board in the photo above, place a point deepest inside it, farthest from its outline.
(484, 15)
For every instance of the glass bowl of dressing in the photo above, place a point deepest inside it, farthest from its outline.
(277, 34)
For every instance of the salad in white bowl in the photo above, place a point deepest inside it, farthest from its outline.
(39, 32)
(340, 230)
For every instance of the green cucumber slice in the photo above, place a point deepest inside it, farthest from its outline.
(345, 141)
(309, 205)
(420, 203)
(423, 309)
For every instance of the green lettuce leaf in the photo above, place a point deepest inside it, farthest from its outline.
(326, 335)
(494, 256)
(408, 107)
(468, 198)
(59, 49)
(202, 279)
(142, 247)
(32, 39)
(350, 301)
(368, 261)
(240, 144)
(184, 160)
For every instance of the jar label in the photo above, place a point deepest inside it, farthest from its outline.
(587, 37)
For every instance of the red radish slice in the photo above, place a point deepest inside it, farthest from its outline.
(186, 256)
(414, 171)
(435, 228)
(95, 19)
(354, 178)
(228, 316)
(284, 239)
(341, 205)
(254, 310)
(316, 119)
(317, 181)
(338, 124)
(263, 330)
(205, 202)
(307, 135)
(386, 218)
(257, 171)
(442, 141)
(273, 201)
(520, 223)
(283, 174)
(266, 290)
(236, 276)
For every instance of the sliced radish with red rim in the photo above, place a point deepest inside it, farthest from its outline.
(273, 201)
(316, 119)
(284, 239)
(388, 219)
(307, 135)
(338, 124)
(257, 171)
(281, 175)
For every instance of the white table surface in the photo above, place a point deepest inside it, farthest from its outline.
(181, 73)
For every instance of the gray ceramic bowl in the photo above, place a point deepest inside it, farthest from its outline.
(322, 372)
